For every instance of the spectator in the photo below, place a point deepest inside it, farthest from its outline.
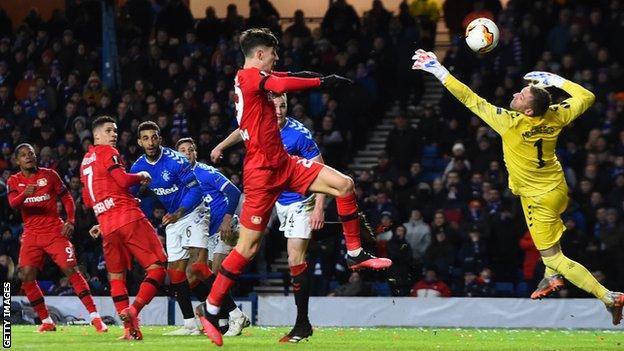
(441, 254)
(210, 28)
(340, 22)
(428, 13)
(418, 236)
(400, 252)
(298, 29)
(356, 286)
(403, 143)
(531, 257)
(473, 255)
(430, 286)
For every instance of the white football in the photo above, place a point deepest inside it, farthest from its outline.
(482, 35)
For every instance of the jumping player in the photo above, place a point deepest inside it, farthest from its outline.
(269, 170)
(125, 231)
(34, 191)
(530, 130)
(298, 215)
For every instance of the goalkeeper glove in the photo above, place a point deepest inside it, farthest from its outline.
(428, 62)
(334, 80)
(544, 79)
(305, 74)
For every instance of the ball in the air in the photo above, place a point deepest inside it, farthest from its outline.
(482, 35)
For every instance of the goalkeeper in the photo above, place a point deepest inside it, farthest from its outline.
(529, 130)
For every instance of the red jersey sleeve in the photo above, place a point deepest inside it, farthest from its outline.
(61, 190)
(16, 199)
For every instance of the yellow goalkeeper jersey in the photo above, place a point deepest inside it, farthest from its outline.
(528, 142)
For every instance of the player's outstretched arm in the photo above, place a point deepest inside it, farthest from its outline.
(579, 101)
(126, 180)
(497, 118)
(232, 139)
(300, 74)
(287, 84)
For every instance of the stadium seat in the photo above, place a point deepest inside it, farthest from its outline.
(381, 289)
(504, 289)
(522, 289)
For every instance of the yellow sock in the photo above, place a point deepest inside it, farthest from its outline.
(578, 275)
(549, 272)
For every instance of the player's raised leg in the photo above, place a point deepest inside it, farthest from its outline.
(542, 214)
(330, 181)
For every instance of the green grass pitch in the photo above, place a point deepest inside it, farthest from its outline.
(84, 338)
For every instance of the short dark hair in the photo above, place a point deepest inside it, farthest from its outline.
(254, 37)
(19, 147)
(184, 140)
(541, 100)
(148, 125)
(98, 122)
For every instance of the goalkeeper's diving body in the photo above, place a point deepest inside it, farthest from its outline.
(529, 131)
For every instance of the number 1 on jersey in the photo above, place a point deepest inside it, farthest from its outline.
(540, 153)
(89, 173)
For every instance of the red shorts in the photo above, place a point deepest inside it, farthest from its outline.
(138, 239)
(35, 246)
(262, 187)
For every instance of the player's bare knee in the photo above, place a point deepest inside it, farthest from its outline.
(248, 251)
(27, 274)
(191, 276)
(346, 186)
(69, 271)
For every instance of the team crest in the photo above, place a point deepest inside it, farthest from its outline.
(42, 182)
(166, 175)
(256, 219)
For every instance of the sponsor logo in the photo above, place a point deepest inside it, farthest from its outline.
(256, 219)
(42, 182)
(165, 191)
(34, 199)
(103, 206)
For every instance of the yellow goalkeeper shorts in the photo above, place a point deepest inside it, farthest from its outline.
(543, 215)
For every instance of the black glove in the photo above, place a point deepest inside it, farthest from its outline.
(334, 80)
(305, 74)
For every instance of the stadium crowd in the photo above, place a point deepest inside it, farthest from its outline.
(437, 200)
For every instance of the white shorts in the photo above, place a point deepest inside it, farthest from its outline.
(295, 218)
(189, 231)
(217, 246)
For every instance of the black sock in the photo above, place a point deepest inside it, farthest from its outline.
(301, 285)
(227, 305)
(201, 290)
(182, 293)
